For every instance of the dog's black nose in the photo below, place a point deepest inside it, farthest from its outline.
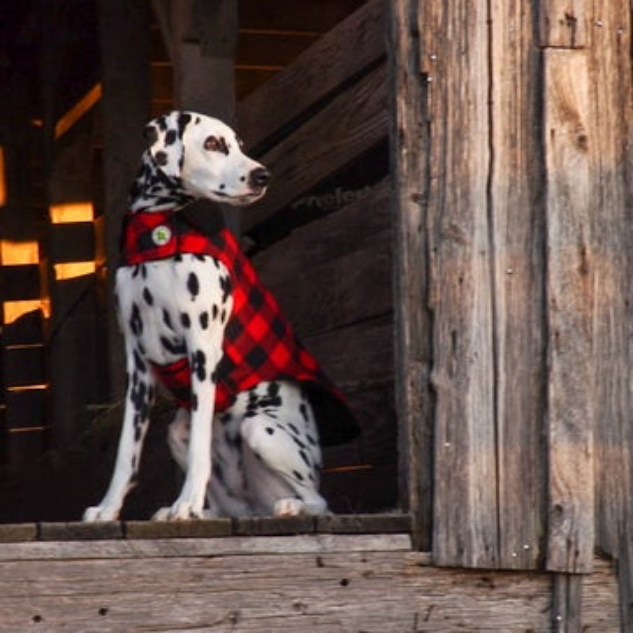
(259, 177)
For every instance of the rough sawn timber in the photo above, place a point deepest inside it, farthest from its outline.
(322, 583)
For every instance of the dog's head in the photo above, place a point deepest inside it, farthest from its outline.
(204, 156)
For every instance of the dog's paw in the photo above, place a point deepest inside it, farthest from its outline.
(100, 513)
(289, 508)
(180, 511)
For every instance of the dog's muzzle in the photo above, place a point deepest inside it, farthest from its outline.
(259, 178)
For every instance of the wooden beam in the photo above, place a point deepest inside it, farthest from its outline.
(517, 233)
(323, 583)
(203, 43)
(351, 124)
(125, 110)
(570, 284)
(343, 53)
(409, 147)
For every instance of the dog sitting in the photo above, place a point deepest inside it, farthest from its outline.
(254, 406)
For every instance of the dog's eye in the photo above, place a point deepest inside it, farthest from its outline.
(212, 144)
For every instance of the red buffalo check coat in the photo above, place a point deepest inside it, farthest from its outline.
(259, 344)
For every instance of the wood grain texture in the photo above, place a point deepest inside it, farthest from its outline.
(325, 583)
(563, 23)
(516, 229)
(323, 273)
(349, 125)
(317, 74)
(411, 160)
(569, 133)
(461, 282)
(610, 68)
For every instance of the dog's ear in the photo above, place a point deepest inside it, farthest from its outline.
(164, 135)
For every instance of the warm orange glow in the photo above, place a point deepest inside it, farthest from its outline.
(78, 110)
(71, 212)
(70, 270)
(22, 388)
(19, 253)
(27, 429)
(13, 310)
(348, 469)
(3, 182)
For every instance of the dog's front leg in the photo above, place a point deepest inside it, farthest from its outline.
(190, 503)
(135, 422)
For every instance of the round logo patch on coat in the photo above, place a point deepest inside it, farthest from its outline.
(161, 235)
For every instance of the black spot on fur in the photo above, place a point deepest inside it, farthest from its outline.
(305, 458)
(136, 323)
(177, 348)
(299, 443)
(293, 428)
(204, 320)
(272, 397)
(214, 312)
(193, 285)
(303, 409)
(139, 363)
(183, 121)
(148, 297)
(311, 440)
(270, 430)
(139, 397)
(297, 475)
(194, 401)
(167, 320)
(161, 158)
(170, 137)
(199, 365)
(225, 285)
(185, 320)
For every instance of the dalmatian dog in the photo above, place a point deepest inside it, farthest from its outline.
(254, 406)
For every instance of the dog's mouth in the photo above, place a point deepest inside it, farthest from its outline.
(240, 199)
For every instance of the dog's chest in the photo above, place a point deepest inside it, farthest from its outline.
(166, 305)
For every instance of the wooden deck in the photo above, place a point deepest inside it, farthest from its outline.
(312, 575)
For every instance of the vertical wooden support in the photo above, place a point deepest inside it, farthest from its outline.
(412, 319)
(567, 599)
(610, 85)
(126, 110)
(201, 37)
(516, 216)
(204, 66)
(569, 136)
(461, 293)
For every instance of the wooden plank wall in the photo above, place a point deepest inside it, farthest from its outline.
(332, 272)
(521, 158)
(325, 582)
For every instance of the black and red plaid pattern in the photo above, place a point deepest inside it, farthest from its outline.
(259, 343)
